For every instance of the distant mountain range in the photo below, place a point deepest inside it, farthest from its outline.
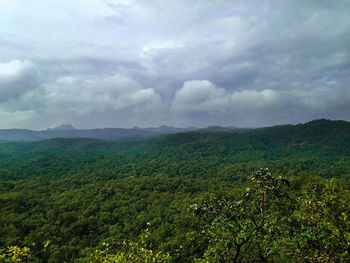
(69, 131)
(316, 138)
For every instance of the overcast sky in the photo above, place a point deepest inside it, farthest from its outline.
(121, 63)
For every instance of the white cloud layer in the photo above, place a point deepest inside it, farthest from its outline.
(203, 96)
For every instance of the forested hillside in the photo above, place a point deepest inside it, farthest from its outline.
(193, 197)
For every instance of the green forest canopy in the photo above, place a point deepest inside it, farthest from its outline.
(80, 199)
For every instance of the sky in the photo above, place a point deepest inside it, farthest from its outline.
(125, 63)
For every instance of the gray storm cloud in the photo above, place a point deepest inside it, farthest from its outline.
(16, 79)
(122, 63)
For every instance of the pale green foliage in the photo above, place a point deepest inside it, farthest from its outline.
(130, 251)
(324, 233)
(13, 254)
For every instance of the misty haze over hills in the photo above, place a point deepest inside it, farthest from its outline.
(69, 131)
(63, 127)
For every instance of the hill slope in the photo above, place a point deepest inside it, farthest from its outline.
(314, 145)
(323, 136)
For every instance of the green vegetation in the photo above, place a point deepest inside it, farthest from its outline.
(130, 252)
(87, 200)
(15, 254)
(273, 222)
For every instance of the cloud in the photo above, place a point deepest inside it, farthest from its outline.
(17, 78)
(127, 62)
(84, 95)
(19, 119)
(204, 96)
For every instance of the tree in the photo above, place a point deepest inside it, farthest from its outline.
(245, 230)
(274, 223)
(323, 232)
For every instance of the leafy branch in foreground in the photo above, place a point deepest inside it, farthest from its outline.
(269, 224)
